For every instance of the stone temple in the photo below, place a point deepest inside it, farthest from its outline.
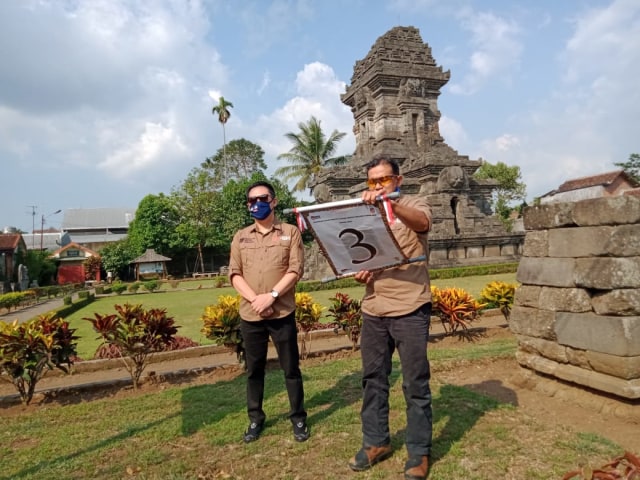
(394, 99)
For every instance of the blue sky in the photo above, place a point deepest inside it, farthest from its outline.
(105, 101)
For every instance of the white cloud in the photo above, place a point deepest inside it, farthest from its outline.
(156, 144)
(317, 94)
(496, 50)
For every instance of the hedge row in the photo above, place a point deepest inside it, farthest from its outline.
(435, 274)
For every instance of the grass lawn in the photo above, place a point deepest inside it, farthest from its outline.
(187, 305)
(194, 432)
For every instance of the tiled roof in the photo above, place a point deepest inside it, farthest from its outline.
(603, 179)
(9, 241)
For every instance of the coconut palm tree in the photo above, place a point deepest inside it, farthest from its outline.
(222, 110)
(311, 152)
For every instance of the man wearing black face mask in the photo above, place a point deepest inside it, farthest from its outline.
(266, 262)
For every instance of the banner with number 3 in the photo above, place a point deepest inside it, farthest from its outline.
(353, 236)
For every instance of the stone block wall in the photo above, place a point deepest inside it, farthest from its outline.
(577, 312)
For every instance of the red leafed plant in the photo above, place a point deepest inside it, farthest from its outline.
(624, 467)
(137, 333)
(348, 315)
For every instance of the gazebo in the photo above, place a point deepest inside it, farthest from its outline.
(151, 265)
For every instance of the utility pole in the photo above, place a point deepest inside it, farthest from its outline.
(33, 225)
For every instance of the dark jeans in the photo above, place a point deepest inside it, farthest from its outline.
(380, 337)
(284, 335)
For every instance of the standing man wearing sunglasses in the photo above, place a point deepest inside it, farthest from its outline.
(396, 311)
(266, 262)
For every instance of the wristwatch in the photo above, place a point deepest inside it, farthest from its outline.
(274, 293)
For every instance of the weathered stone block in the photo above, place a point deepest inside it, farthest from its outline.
(492, 251)
(622, 367)
(550, 215)
(578, 357)
(437, 254)
(617, 210)
(507, 250)
(565, 299)
(617, 302)
(546, 348)
(579, 242)
(596, 380)
(606, 334)
(624, 241)
(536, 244)
(475, 252)
(554, 272)
(532, 322)
(528, 296)
(456, 253)
(607, 273)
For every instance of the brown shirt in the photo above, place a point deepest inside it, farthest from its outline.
(263, 259)
(401, 290)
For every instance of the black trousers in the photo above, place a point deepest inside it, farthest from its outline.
(381, 336)
(284, 335)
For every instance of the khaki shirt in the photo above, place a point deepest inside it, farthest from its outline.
(263, 259)
(401, 290)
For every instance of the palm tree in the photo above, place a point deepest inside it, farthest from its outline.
(222, 110)
(311, 152)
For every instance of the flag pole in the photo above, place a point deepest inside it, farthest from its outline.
(339, 203)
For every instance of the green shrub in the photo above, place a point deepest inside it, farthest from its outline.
(151, 285)
(67, 300)
(118, 287)
(83, 294)
(134, 287)
(99, 290)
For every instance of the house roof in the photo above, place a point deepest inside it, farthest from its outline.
(602, 179)
(84, 218)
(9, 241)
(76, 246)
(150, 256)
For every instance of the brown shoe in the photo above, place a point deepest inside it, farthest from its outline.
(368, 457)
(416, 468)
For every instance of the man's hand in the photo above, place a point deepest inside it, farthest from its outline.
(364, 276)
(262, 303)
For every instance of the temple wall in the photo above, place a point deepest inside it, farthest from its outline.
(577, 312)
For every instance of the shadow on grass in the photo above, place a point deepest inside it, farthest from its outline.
(32, 472)
(458, 409)
(206, 405)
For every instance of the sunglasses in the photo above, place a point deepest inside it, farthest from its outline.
(384, 181)
(259, 198)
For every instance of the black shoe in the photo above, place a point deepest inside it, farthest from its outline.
(253, 432)
(300, 431)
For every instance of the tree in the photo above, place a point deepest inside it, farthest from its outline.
(154, 225)
(116, 257)
(222, 110)
(510, 188)
(311, 152)
(241, 159)
(194, 201)
(231, 212)
(632, 166)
